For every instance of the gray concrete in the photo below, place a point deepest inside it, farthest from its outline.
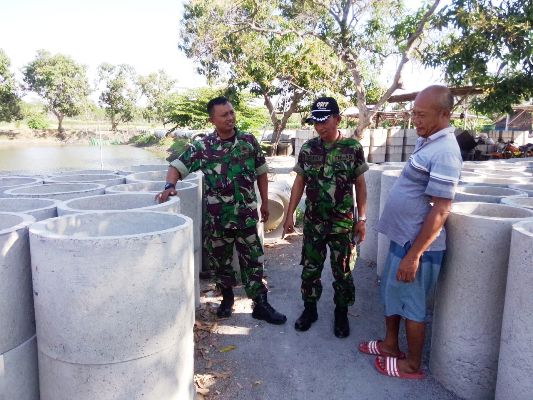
(148, 167)
(10, 182)
(491, 181)
(147, 176)
(369, 248)
(470, 297)
(516, 352)
(276, 211)
(526, 187)
(502, 173)
(485, 194)
(524, 202)
(388, 178)
(16, 303)
(118, 201)
(38, 208)
(149, 187)
(466, 172)
(87, 172)
(57, 191)
(111, 289)
(104, 179)
(19, 378)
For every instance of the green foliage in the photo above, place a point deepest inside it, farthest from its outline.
(119, 93)
(144, 139)
(177, 147)
(60, 81)
(37, 120)
(9, 97)
(490, 46)
(155, 87)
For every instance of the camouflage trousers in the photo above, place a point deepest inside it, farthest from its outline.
(219, 245)
(342, 257)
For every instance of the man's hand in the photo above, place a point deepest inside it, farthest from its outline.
(163, 196)
(288, 226)
(359, 231)
(264, 211)
(407, 269)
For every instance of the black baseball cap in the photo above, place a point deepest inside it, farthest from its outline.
(322, 108)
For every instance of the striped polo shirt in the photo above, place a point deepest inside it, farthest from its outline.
(433, 170)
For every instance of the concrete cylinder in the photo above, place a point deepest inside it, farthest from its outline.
(470, 173)
(276, 211)
(524, 202)
(10, 182)
(104, 179)
(19, 377)
(388, 178)
(525, 187)
(114, 305)
(87, 172)
(147, 176)
(485, 194)
(16, 302)
(470, 296)
(516, 351)
(490, 181)
(497, 173)
(148, 167)
(57, 191)
(18, 370)
(369, 247)
(187, 193)
(118, 201)
(38, 208)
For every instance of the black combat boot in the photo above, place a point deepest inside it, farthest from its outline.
(342, 326)
(224, 309)
(309, 315)
(264, 311)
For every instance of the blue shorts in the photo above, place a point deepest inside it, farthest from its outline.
(409, 299)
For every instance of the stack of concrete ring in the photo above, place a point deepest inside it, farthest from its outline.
(97, 291)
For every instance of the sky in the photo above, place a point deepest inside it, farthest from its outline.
(144, 34)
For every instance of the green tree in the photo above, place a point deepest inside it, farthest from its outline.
(188, 110)
(284, 70)
(155, 87)
(119, 93)
(60, 81)
(488, 45)
(9, 92)
(362, 34)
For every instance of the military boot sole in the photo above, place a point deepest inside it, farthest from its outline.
(303, 326)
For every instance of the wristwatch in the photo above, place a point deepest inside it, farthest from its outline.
(361, 219)
(169, 185)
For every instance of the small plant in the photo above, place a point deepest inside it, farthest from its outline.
(145, 139)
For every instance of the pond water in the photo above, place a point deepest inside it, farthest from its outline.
(38, 159)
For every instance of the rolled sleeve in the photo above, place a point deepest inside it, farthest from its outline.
(182, 169)
(262, 169)
(444, 176)
(298, 169)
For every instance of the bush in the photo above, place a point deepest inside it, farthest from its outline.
(144, 139)
(177, 147)
(37, 121)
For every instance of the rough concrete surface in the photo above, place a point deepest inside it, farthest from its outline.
(277, 362)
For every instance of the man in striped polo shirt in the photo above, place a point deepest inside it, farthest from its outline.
(413, 219)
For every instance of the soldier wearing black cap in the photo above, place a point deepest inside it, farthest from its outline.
(328, 166)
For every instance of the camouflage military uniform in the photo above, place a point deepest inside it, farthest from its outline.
(329, 171)
(230, 169)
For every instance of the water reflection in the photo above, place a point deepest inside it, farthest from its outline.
(32, 159)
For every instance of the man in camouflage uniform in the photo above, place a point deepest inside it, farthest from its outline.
(328, 166)
(231, 162)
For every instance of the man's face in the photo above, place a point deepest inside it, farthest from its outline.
(427, 116)
(223, 117)
(327, 130)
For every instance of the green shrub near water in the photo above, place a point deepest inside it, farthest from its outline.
(37, 121)
(144, 139)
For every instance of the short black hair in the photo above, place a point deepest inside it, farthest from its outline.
(217, 101)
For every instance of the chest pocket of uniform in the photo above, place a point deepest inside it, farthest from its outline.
(342, 171)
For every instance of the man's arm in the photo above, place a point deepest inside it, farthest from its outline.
(172, 177)
(262, 184)
(296, 194)
(360, 197)
(431, 227)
